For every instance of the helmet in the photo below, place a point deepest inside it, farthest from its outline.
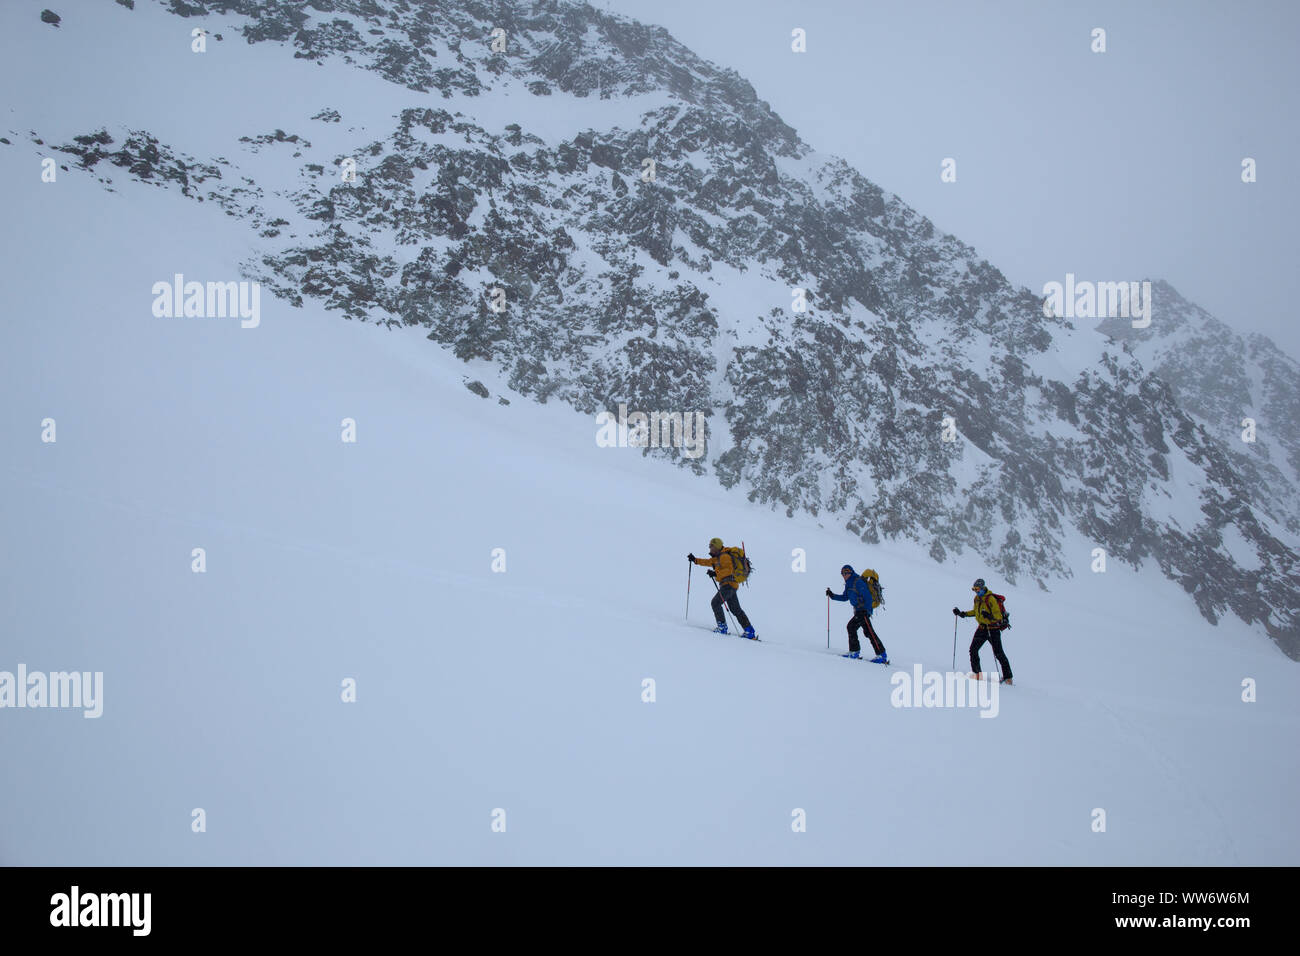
(848, 568)
(715, 544)
(978, 585)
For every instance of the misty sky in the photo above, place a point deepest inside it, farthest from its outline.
(1117, 165)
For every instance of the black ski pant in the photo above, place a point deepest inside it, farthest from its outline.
(863, 620)
(993, 637)
(727, 595)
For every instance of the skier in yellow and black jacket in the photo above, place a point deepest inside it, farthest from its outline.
(989, 615)
(727, 574)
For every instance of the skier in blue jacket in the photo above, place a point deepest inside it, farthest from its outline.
(856, 592)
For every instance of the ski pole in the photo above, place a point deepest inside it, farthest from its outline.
(954, 642)
(689, 568)
(828, 622)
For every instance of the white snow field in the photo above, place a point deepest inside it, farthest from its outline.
(521, 691)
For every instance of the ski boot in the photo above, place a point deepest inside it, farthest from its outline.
(1007, 681)
(880, 659)
(749, 633)
(852, 655)
(720, 628)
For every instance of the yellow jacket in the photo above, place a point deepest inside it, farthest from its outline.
(723, 565)
(986, 610)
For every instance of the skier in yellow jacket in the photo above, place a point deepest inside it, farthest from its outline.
(727, 574)
(988, 614)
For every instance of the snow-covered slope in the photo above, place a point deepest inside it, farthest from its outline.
(522, 690)
(1226, 382)
(520, 169)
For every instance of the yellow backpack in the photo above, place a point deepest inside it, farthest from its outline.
(873, 585)
(743, 569)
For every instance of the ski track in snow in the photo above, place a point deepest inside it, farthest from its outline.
(1132, 732)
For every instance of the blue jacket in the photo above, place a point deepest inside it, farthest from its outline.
(856, 590)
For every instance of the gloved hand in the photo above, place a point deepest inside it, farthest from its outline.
(829, 593)
(957, 611)
(713, 574)
(691, 558)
